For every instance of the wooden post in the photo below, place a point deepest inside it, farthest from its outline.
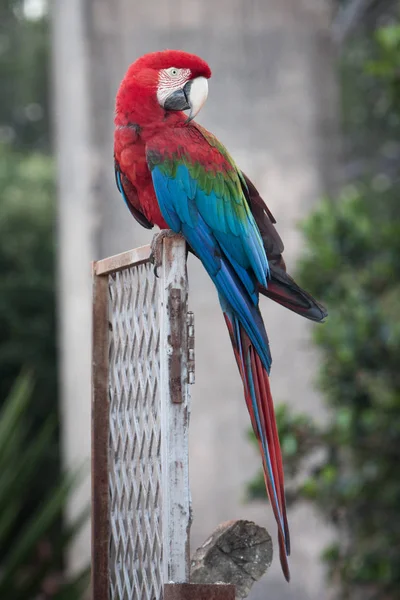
(199, 591)
(175, 412)
(100, 432)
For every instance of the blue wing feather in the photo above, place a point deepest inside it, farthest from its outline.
(225, 261)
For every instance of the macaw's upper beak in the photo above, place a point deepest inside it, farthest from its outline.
(191, 97)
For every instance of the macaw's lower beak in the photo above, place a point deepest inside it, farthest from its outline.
(191, 97)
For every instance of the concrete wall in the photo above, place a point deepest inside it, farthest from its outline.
(272, 101)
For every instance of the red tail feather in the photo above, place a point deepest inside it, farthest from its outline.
(269, 432)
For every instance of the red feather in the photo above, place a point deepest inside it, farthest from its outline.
(172, 58)
(269, 432)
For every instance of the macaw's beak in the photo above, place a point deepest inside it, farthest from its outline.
(191, 97)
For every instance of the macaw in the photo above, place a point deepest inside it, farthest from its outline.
(173, 173)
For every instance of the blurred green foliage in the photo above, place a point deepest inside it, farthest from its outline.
(24, 76)
(27, 313)
(349, 466)
(31, 566)
(27, 299)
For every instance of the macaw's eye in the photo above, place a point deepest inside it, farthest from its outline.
(173, 72)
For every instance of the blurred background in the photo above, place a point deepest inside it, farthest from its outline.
(306, 96)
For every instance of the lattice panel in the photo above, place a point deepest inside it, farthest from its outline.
(135, 559)
(142, 359)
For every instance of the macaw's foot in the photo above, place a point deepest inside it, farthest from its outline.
(157, 247)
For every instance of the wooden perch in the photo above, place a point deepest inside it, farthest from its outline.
(198, 591)
(238, 553)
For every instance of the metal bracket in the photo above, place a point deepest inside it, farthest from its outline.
(175, 343)
(190, 345)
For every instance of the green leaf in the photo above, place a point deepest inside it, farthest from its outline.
(20, 467)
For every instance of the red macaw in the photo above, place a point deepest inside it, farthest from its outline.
(173, 173)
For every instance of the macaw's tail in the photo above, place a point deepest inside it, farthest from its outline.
(259, 403)
(284, 290)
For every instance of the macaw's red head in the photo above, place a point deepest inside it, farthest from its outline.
(171, 80)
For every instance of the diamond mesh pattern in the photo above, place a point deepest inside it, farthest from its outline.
(135, 438)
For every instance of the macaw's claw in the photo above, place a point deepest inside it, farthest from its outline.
(157, 248)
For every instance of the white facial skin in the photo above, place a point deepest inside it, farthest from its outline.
(169, 81)
(173, 79)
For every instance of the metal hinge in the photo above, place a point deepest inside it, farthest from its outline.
(190, 345)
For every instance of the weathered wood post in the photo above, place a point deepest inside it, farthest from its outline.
(142, 367)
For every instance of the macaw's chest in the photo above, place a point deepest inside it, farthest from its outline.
(130, 154)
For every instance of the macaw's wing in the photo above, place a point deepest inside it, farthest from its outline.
(130, 196)
(265, 221)
(281, 287)
(207, 205)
